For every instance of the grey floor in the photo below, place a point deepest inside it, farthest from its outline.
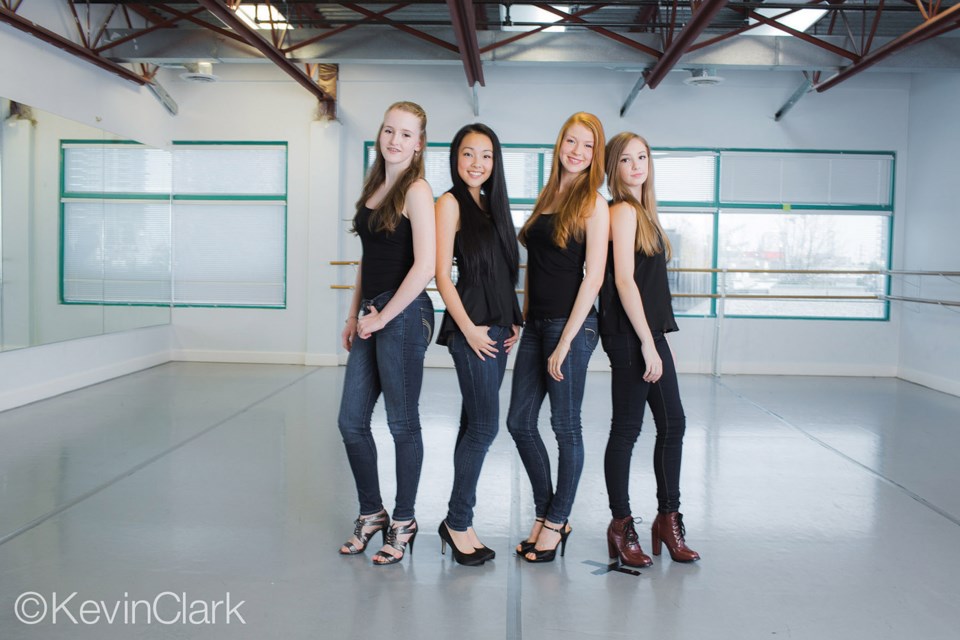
(823, 508)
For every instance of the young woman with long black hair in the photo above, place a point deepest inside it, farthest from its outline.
(635, 313)
(482, 318)
(566, 241)
(389, 326)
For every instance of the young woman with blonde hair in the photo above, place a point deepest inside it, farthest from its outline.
(566, 241)
(635, 313)
(388, 328)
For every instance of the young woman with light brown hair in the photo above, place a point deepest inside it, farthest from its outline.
(635, 313)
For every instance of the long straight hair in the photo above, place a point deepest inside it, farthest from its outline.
(387, 216)
(651, 238)
(475, 245)
(576, 204)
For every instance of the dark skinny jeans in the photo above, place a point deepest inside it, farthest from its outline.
(630, 394)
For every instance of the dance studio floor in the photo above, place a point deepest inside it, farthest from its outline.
(208, 501)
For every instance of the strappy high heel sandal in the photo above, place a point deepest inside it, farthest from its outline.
(548, 555)
(392, 539)
(526, 545)
(378, 520)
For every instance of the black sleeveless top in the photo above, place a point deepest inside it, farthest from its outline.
(554, 275)
(489, 299)
(387, 257)
(650, 274)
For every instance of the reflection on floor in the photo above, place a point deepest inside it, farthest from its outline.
(208, 501)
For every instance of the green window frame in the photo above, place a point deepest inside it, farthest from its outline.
(213, 267)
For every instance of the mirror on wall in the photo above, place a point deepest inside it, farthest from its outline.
(79, 233)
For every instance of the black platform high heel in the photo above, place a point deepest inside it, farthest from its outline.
(394, 541)
(548, 555)
(473, 559)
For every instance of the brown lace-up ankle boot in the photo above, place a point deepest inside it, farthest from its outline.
(623, 543)
(668, 529)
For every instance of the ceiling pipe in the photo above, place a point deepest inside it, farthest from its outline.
(801, 91)
(917, 34)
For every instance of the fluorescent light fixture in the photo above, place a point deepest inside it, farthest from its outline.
(529, 13)
(800, 20)
(259, 16)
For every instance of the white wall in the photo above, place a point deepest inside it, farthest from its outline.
(930, 335)
(524, 106)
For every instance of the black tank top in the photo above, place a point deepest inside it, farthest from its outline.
(554, 275)
(387, 257)
(492, 298)
(650, 274)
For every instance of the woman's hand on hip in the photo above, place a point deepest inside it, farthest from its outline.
(369, 323)
(480, 341)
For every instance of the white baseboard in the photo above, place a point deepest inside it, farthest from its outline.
(65, 384)
(803, 369)
(938, 383)
(238, 357)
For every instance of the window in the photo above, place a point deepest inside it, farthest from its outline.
(749, 211)
(202, 225)
(817, 212)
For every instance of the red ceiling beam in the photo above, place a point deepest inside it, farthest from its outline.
(157, 25)
(341, 29)
(939, 22)
(806, 37)
(255, 40)
(462, 15)
(671, 55)
(525, 34)
(735, 32)
(650, 51)
(402, 27)
(69, 46)
(202, 23)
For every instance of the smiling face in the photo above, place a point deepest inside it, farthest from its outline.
(400, 137)
(633, 165)
(576, 149)
(475, 160)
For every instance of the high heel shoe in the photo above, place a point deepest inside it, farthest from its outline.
(526, 545)
(548, 555)
(378, 520)
(486, 552)
(393, 540)
(472, 559)
(624, 544)
(668, 528)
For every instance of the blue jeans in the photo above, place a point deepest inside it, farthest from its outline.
(630, 393)
(390, 362)
(479, 420)
(531, 383)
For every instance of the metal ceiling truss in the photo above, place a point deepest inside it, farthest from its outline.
(84, 50)
(654, 35)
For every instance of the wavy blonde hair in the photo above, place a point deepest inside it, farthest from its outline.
(651, 238)
(576, 204)
(387, 215)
